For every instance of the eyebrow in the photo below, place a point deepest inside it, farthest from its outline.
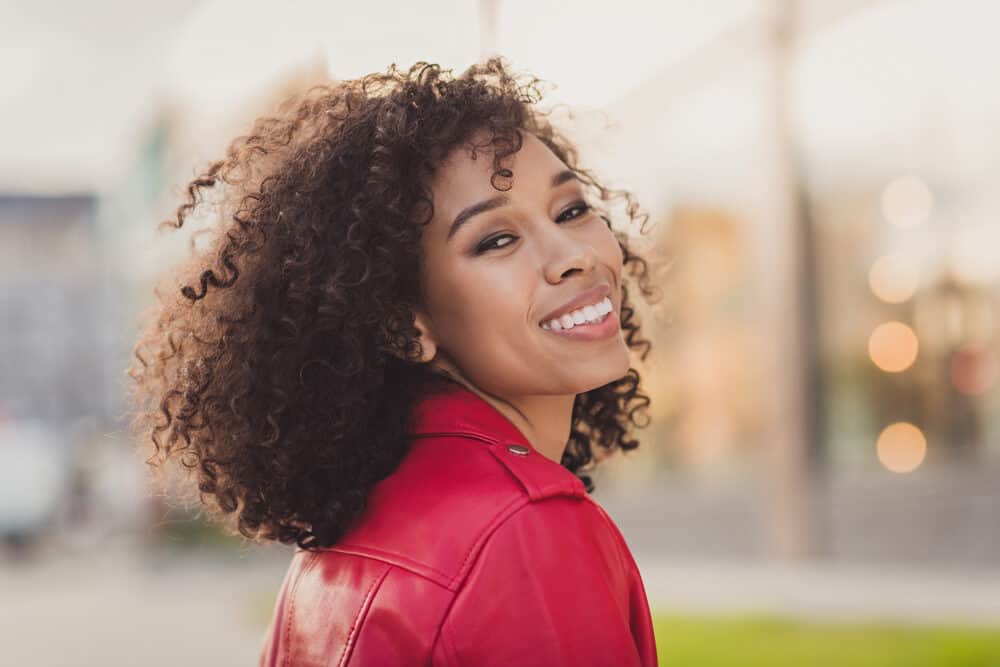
(501, 200)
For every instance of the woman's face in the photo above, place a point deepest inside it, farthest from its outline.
(490, 281)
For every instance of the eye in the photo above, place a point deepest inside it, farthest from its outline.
(581, 208)
(490, 244)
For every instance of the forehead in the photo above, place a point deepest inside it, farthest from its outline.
(461, 180)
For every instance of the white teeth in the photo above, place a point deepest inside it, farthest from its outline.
(590, 313)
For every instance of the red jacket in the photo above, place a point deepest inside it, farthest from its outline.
(476, 551)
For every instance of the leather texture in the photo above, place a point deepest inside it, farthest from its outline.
(476, 551)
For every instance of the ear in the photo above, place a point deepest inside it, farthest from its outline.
(428, 343)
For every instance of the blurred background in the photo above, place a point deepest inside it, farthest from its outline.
(820, 480)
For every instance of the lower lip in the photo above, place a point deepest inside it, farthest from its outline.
(599, 331)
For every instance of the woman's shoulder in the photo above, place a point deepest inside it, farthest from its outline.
(459, 514)
(455, 516)
(450, 492)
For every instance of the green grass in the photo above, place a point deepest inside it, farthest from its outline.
(759, 641)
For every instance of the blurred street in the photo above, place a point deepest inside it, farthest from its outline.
(824, 592)
(118, 608)
(212, 610)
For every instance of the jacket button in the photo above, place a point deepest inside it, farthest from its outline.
(520, 450)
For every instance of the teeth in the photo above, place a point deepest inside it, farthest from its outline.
(590, 313)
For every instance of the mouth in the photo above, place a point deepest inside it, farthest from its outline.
(593, 322)
(584, 316)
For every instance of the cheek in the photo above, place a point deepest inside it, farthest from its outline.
(609, 249)
(486, 337)
(477, 309)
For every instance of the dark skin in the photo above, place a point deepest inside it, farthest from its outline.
(487, 287)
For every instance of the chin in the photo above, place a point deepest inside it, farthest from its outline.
(600, 378)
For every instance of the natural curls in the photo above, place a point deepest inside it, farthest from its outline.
(273, 371)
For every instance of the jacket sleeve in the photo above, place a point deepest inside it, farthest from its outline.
(550, 587)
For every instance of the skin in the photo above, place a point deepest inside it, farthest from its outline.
(479, 322)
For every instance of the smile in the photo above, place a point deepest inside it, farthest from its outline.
(592, 314)
(595, 322)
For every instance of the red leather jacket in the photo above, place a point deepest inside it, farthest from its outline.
(476, 551)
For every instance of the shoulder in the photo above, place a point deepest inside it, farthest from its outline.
(435, 513)
(555, 577)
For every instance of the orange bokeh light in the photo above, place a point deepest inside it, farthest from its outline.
(901, 447)
(893, 346)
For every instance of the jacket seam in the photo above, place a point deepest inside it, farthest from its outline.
(290, 618)
(482, 538)
(439, 635)
(448, 582)
(456, 434)
(453, 649)
(383, 556)
(362, 615)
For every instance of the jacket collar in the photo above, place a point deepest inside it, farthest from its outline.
(447, 407)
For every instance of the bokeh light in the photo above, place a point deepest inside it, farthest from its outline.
(901, 447)
(893, 346)
(893, 278)
(974, 369)
(907, 201)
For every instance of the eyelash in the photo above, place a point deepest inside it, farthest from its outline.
(485, 245)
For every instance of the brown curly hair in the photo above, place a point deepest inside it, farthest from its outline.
(268, 374)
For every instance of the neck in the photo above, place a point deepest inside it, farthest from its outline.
(544, 420)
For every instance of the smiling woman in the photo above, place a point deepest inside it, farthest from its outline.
(558, 257)
(407, 344)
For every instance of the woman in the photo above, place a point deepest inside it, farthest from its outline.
(405, 345)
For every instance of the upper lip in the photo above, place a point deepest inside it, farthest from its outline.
(585, 298)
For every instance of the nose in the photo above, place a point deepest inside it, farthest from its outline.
(569, 255)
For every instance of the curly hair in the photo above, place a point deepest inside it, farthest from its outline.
(279, 374)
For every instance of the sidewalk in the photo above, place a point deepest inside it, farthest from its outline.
(117, 610)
